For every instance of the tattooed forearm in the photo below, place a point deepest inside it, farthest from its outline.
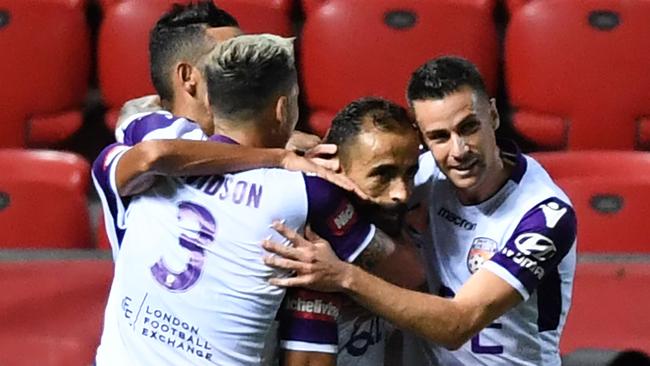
(380, 247)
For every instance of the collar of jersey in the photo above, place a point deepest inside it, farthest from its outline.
(223, 139)
(511, 153)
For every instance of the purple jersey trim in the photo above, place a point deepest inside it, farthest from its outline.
(510, 150)
(140, 127)
(332, 215)
(223, 139)
(101, 171)
(538, 244)
(309, 331)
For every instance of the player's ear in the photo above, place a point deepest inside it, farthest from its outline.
(282, 109)
(186, 75)
(494, 114)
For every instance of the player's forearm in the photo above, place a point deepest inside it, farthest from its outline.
(439, 320)
(187, 158)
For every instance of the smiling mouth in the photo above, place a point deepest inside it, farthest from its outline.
(466, 167)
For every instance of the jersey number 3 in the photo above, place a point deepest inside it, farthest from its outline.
(198, 229)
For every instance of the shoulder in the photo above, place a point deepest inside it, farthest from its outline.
(155, 125)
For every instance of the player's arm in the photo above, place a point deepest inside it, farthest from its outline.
(143, 162)
(542, 239)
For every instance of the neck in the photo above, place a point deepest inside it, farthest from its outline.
(191, 111)
(246, 133)
(489, 187)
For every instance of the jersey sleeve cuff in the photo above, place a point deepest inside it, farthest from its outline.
(371, 234)
(121, 208)
(308, 347)
(508, 277)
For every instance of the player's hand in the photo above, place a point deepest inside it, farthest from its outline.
(301, 142)
(294, 162)
(325, 156)
(311, 257)
(148, 103)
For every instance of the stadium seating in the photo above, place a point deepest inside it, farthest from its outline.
(514, 5)
(43, 199)
(610, 307)
(358, 48)
(45, 70)
(610, 191)
(101, 235)
(577, 73)
(52, 311)
(124, 37)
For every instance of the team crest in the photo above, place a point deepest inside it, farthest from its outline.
(482, 250)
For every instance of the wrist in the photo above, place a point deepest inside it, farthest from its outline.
(348, 278)
(282, 158)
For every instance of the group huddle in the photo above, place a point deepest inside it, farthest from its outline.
(238, 241)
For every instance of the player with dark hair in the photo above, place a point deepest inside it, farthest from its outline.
(378, 150)
(190, 257)
(501, 250)
(177, 44)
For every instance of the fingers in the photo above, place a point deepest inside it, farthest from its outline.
(279, 249)
(289, 282)
(311, 235)
(329, 164)
(287, 264)
(322, 149)
(296, 239)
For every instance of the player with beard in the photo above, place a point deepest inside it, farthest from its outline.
(378, 150)
(501, 248)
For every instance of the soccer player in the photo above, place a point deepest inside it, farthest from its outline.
(502, 249)
(190, 286)
(378, 148)
(177, 46)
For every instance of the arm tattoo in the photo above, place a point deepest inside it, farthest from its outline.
(380, 247)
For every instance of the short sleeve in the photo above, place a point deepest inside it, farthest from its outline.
(114, 206)
(157, 126)
(308, 321)
(333, 216)
(538, 244)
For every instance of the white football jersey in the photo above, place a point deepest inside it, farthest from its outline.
(190, 286)
(526, 235)
(158, 125)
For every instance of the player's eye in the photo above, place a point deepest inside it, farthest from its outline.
(469, 127)
(438, 136)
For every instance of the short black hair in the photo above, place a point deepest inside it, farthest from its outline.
(180, 34)
(384, 114)
(245, 73)
(443, 76)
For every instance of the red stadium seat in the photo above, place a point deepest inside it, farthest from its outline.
(45, 70)
(577, 73)
(514, 5)
(101, 235)
(610, 191)
(358, 48)
(124, 38)
(52, 311)
(43, 200)
(610, 307)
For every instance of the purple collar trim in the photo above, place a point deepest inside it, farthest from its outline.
(223, 139)
(511, 152)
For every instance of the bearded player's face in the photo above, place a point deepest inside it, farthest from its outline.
(383, 164)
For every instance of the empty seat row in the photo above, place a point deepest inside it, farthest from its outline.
(575, 71)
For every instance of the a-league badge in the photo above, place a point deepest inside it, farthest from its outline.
(482, 250)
